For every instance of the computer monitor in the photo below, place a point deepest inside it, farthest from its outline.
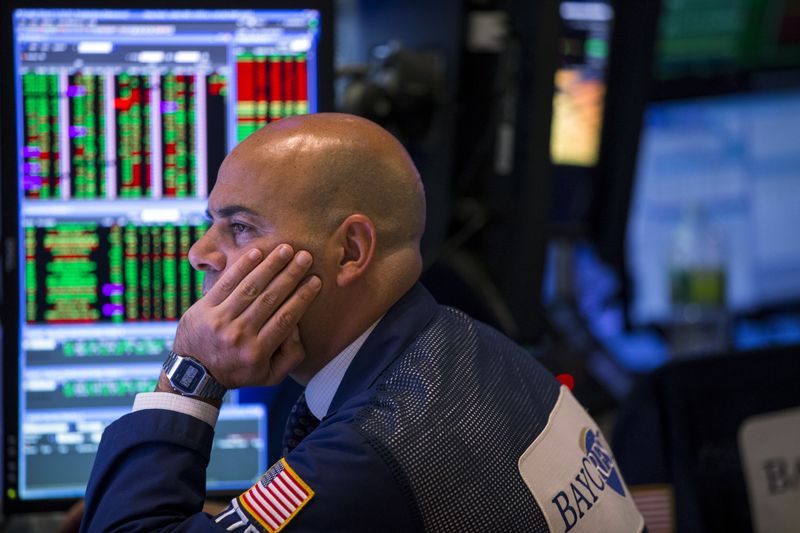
(586, 29)
(579, 99)
(735, 158)
(116, 118)
(717, 38)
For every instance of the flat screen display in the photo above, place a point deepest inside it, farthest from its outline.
(121, 118)
(580, 82)
(723, 37)
(736, 159)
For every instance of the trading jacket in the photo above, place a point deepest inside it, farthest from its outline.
(439, 424)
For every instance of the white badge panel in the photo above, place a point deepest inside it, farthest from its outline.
(770, 453)
(572, 475)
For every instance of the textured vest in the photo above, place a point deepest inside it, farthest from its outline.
(452, 416)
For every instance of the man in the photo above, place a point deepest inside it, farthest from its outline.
(430, 421)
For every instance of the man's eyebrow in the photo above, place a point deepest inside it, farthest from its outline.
(229, 211)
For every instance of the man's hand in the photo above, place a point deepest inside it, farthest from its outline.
(244, 330)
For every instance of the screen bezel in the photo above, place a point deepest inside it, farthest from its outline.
(9, 206)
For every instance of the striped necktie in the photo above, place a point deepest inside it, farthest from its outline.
(300, 423)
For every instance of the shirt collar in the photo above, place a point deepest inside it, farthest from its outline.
(323, 386)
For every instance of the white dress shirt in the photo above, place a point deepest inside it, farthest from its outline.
(319, 391)
(323, 386)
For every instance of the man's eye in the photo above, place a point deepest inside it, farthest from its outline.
(238, 227)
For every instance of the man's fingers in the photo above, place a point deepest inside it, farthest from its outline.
(271, 298)
(226, 284)
(252, 286)
(280, 324)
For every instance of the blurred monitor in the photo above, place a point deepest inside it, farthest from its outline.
(714, 37)
(579, 102)
(115, 121)
(737, 159)
(580, 82)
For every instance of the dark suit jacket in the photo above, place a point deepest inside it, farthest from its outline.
(423, 434)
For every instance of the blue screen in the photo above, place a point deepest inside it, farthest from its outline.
(736, 158)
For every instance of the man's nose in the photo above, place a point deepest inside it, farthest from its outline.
(206, 255)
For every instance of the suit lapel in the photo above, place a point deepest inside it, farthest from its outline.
(393, 334)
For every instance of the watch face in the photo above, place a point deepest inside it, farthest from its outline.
(187, 376)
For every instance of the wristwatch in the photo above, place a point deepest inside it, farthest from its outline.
(189, 377)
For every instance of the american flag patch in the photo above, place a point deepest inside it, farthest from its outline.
(657, 505)
(277, 497)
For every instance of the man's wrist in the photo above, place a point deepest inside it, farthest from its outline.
(189, 377)
(164, 385)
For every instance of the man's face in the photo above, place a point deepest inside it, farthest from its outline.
(249, 207)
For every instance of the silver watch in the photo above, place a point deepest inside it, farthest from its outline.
(189, 377)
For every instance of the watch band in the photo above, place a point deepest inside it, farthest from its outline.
(190, 377)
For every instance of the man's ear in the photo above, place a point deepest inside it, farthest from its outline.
(357, 238)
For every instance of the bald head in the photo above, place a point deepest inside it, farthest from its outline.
(343, 164)
(338, 186)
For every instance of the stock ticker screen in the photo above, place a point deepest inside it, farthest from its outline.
(123, 117)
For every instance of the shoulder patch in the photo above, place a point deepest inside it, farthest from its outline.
(276, 498)
(572, 475)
